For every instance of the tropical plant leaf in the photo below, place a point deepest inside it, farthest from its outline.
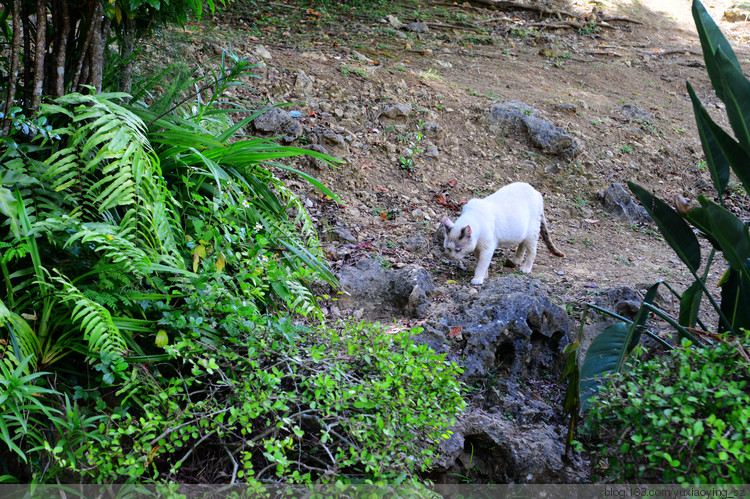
(673, 227)
(735, 295)
(712, 40)
(736, 93)
(605, 355)
(690, 303)
(718, 146)
(728, 231)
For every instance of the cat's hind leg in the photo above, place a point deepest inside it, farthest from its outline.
(517, 259)
(529, 245)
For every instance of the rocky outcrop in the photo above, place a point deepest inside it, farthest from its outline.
(618, 202)
(511, 323)
(516, 118)
(386, 292)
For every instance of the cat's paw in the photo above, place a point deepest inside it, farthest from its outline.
(477, 281)
(525, 271)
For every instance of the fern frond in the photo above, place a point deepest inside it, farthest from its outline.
(109, 173)
(304, 301)
(22, 341)
(96, 322)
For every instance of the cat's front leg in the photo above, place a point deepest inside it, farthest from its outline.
(483, 265)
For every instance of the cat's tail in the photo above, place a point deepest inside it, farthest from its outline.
(545, 237)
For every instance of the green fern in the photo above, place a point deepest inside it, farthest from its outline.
(107, 173)
(95, 321)
(22, 342)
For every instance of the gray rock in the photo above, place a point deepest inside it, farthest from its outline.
(489, 449)
(396, 111)
(313, 161)
(618, 202)
(438, 237)
(431, 151)
(276, 121)
(418, 303)
(623, 300)
(415, 243)
(418, 27)
(263, 52)
(552, 139)
(635, 113)
(343, 235)
(432, 130)
(394, 22)
(509, 118)
(385, 292)
(303, 85)
(516, 118)
(511, 323)
(329, 140)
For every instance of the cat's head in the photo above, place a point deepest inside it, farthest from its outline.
(459, 241)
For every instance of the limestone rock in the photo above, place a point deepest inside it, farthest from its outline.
(517, 118)
(618, 202)
(276, 121)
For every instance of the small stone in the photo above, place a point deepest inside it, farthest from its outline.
(263, 52)
(394, 22)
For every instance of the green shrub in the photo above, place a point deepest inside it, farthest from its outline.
(284, 402)
(680, 418)
(681, 227)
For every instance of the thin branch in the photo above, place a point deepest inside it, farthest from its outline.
(234, 465)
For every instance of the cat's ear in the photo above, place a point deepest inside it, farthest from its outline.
(447, 222)
(466, 232)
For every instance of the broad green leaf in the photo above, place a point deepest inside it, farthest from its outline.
(640, 319)
(729, 232)
(735, 295)
(711, 40)
(690, 303)
(605, 355)
(712, 138)
(736, 98)
(672, 226)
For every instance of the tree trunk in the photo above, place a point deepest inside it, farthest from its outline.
(96, 48)
(126, 54)
(39, 54)
(25, 96)
(15, 57)
(83, 55)
(61, 46)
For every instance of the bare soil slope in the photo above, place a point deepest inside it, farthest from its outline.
(612, 74)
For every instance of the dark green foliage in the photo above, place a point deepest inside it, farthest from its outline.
(148, 247)
(724, 230)
(296, 404)
(679, 418)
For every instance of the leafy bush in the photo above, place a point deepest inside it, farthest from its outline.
(147, 245)
(283, 402)
(725, 232)
(680, 418)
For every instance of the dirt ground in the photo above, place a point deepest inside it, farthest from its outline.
(578, 63)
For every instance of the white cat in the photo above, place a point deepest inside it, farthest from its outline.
(514, 215)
